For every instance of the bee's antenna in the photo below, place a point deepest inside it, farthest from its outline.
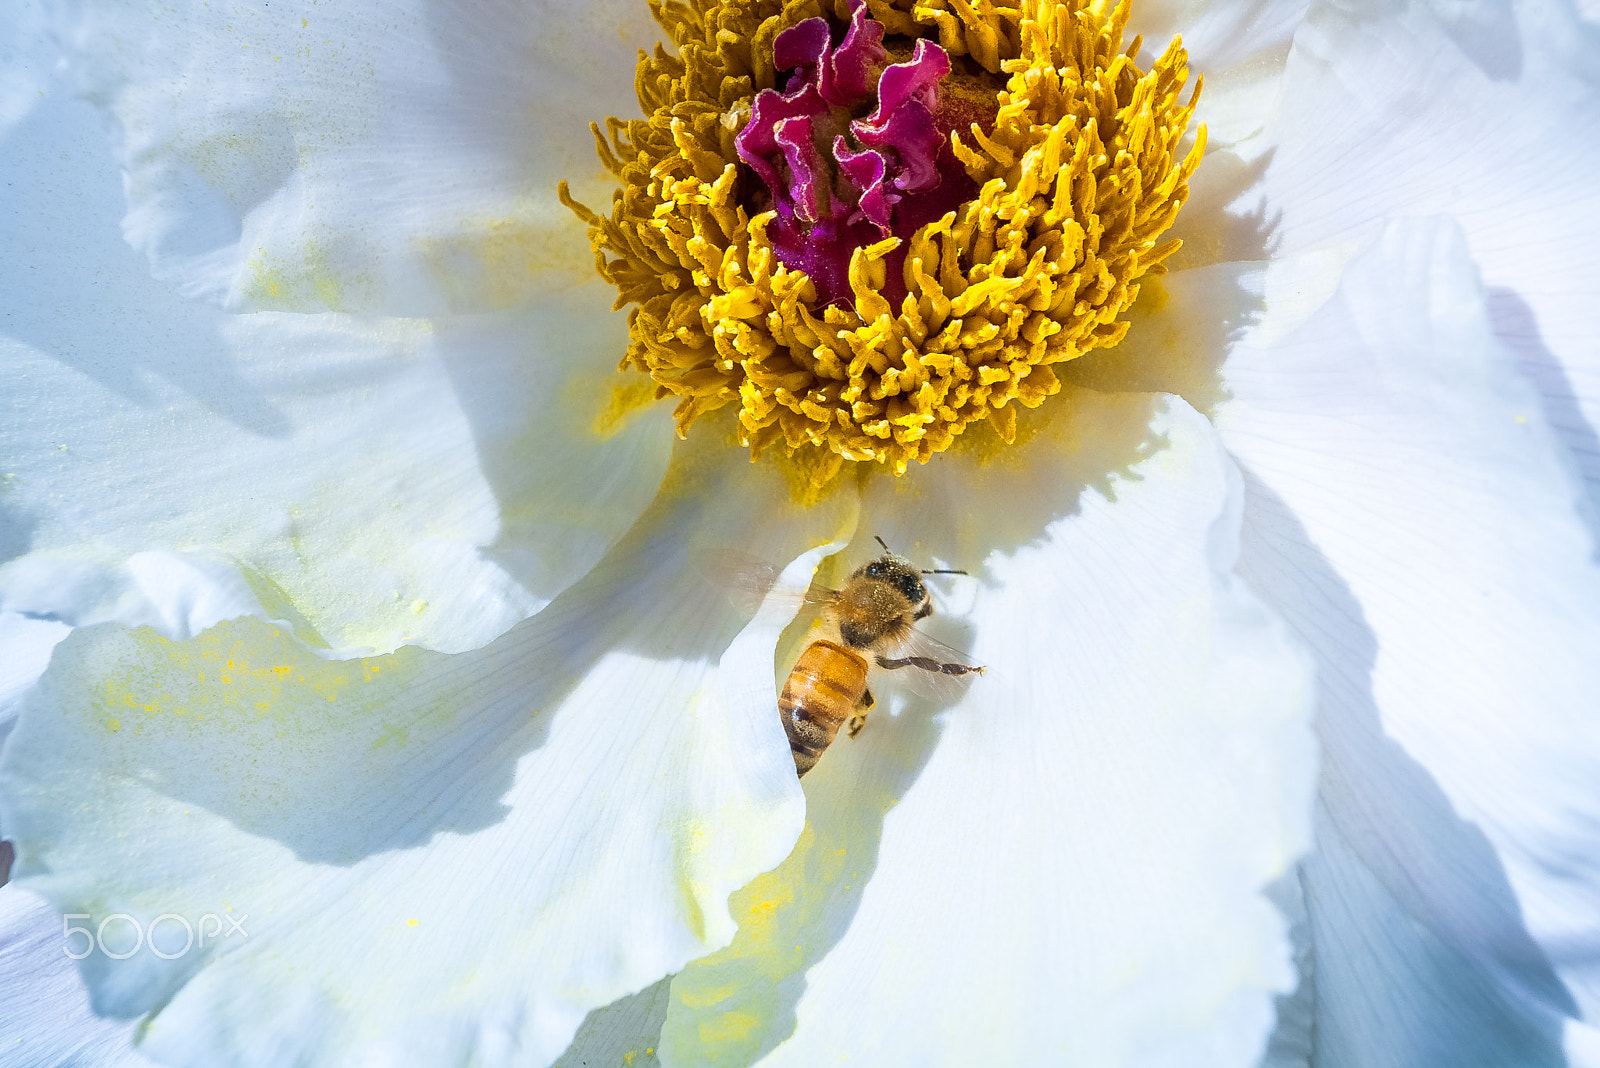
(941, 571)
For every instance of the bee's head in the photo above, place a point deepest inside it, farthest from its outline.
(902, 576)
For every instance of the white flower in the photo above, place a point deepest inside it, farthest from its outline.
(389, 649)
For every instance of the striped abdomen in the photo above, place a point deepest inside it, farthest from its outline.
(822, 692)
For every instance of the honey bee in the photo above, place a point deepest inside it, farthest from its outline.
(869, 623)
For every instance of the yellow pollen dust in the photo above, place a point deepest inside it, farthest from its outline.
(1077, 179)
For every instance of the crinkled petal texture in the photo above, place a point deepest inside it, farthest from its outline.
(1412, 514)
(1488, 111)
(1064, 865)
(369, 482)
(432, 859)
(44, 1014)
(394, 157)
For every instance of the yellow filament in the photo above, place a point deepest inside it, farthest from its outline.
(1078, 178)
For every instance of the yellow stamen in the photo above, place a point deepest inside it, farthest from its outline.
(1077, 180)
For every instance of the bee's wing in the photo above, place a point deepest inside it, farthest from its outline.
(748, 579)
(928, 667)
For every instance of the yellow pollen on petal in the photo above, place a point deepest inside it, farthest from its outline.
(1077, 178)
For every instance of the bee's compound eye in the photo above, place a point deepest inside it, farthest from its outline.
(876, 569)
(911, 586)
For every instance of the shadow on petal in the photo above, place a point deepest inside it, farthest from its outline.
(68, 236)
(572, 466)
(623, 1032)
(1517, 327)
(16, 533)
(1393, 820)
(1487, 34)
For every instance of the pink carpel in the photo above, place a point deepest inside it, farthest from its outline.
(852, 151)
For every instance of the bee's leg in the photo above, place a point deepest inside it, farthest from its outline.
(927, 664)
(859, 720)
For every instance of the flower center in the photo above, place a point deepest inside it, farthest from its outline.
(871, 233)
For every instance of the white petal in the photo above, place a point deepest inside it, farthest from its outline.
(1064, 866)
(25, 647)
(27, 644)
(1219, 35)
(443, 859)
(1487, 111)
(1239, 48)
(371, 482)
(397, 157)
(1410, 515)
(45, 1020)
